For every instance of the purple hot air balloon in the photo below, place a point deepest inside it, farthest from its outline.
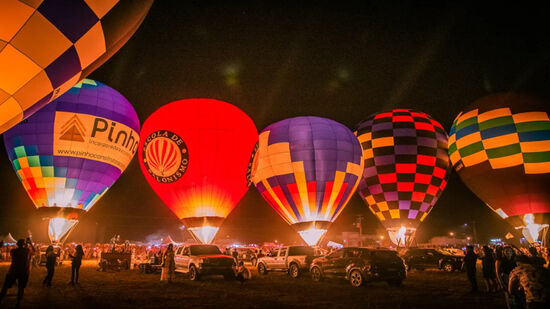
(70, 152)
(307, 168)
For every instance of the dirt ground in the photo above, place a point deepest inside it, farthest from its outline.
(131, 289)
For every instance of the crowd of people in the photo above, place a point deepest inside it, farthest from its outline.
(522, 274)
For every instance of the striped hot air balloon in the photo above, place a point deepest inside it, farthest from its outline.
(500, 147)
(406, 169)
(69, 153)
(307, 168)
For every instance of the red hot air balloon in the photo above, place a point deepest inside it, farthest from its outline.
(195, 154)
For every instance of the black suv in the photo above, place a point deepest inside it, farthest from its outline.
(416, 258)
(360, 265)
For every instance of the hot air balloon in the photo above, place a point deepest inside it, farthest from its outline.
(406, 169)
(500, 147)
(194, 153)
(307, 168)
(70, 152)
(47, 46)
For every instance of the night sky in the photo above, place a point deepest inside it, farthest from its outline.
(276, 61)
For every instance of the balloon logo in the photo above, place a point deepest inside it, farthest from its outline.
(47, 46)
(307, 169)
(406, 169)
(500, 147)
(69, 153)
(195, 153)
(165, 158)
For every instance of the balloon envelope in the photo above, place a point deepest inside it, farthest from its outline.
(194, 153)
(307, 168)
(406, 169)
(500, 147)
(70, 152)
(47, 46)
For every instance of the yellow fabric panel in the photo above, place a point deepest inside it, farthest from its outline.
(59, 182)
(36, 172)
(468, 140)
(512, 160)
(10, 114)
(500, 141)
(337, 185)
(475, 158)
(537, 168)
(370, 200)
(467, 115)
(380, 216)
(280, 169)
(41, 41)
(382, 142)
(288, 215)
(15, 69)
(13, 16)
(394, 213)
(537, 146)
(530, 116)
(383, 206)
(455, 157)
(101, 7)
(365, 137)
(423, 216)
(34, 90)
(91, 46)
(66, 86)
(495, 113)
(301, 184)
(355, 169)
(367, 154)
(49, 182)
(451, 139)
(25, 184)
(23, 162)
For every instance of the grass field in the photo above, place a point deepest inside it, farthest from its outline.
(131, 289)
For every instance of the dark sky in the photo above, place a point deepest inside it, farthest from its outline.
(276, 61)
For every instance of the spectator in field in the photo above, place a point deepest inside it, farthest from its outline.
(51, 260)
(533, 280)
(19, 269)
(76, 263)
(506, 262)
(536, 260)
(469, 264)
(168, 265)
(243, 274)
(489, 269)
(235, 254)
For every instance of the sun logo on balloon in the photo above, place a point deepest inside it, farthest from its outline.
(165, 156)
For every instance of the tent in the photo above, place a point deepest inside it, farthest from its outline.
(9, 239)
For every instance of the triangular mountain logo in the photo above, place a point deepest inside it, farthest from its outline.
(73, 130)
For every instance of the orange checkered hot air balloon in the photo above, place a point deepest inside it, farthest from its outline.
(47, 46)
(500, 147)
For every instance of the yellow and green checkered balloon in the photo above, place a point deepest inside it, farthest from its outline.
(500, 147)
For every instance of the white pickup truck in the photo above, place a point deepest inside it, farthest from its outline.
(292, 259)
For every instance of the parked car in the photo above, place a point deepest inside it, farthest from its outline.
(203, 260)
(360, 265)
(292, 259)
(421, 258)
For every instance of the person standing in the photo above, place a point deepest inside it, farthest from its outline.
(76, 263)
(168, 265)
(19, 269)
(533, 280)
(469, 264)
(51, 260)
(505, 263)
(489, 269)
